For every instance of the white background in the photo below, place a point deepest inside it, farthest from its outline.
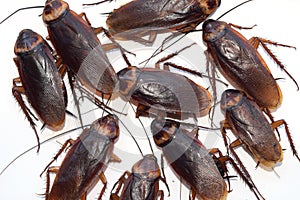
(276, 20)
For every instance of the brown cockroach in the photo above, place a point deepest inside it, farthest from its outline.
(163, 93)
(193, 163)
(247, 122)
(40, 81)
(85, 161)
(140, 18)
(240, 63)
(142, 183)
(79, 47)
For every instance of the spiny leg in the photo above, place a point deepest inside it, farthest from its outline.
(104, 181)
(119, 184)
(66, 145)
(50, 170)
(17, 91)
(283, 122)
(247, 176)
(256, 41)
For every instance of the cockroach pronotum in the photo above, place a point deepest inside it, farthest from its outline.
(140, 18)
(79, 48)
(193, 163)
(251, 128)
(141, 183)
(85, 161)
(241, 64)
(163, 93)
(40, 81)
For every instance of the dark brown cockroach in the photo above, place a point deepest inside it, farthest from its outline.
(140, 18)
(241, 64)
(193, 163)
(79, 47)
(163, 93)
(40, 81)
(85, 161)
(252, 130)
(142, 183)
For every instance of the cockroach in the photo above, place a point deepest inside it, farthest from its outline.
(140, 18)
(85, 161)
(253, 131)
(240, 63)
(40, 81)
(161, 92)
(142, 183)
(79, 47)
(193, 163)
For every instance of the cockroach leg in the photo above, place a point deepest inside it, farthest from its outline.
(123, 51)
(84, 196)
(241, 27)
(83, 15)
(243, 173)
(246, 176)
(211, 72)
(51, 169)
(283, 122)
(104, 181)
(160, 194)
(114, 158)
(224, 126)
(163, 178)
(270, 116)
(139, 38)
(119, 184)
(256, 41)
(152, 37)
(221, 164)
(17, 91)
(167, 64)
(65, 146)
(192, 195)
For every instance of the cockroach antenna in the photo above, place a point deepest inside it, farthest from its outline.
(43, 142)
(20, 9)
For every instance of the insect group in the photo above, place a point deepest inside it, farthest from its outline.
(73, 52)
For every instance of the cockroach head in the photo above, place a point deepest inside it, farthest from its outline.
(231, 98)
(108, 126)
(54, 9)
(209, 6)
(147, 168)
(27, 41)
(163, 131)
(213, 30)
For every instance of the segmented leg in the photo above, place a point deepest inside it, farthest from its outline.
(104, 181)
(66, 145)
(256, 41)
(244, 172)
(17, 91)
(119, 184)
(283, 122)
